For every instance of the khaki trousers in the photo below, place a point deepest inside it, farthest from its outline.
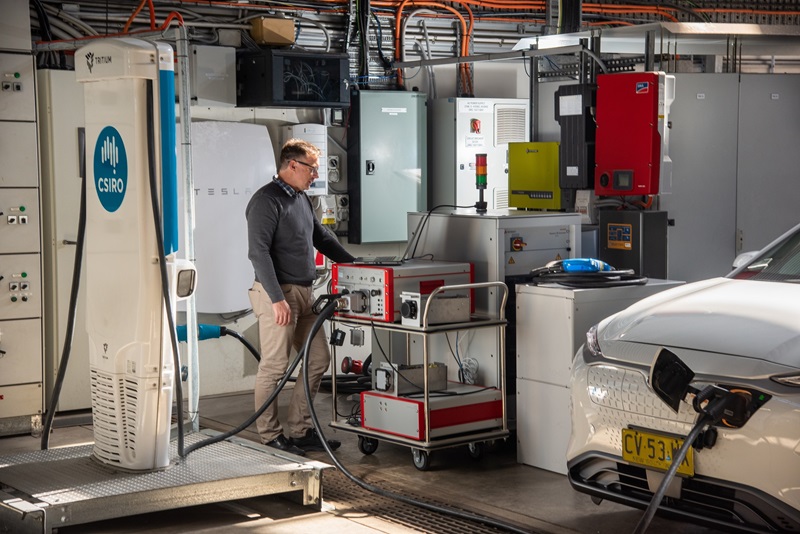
(276, 348)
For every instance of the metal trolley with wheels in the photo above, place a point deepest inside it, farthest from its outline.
(433, 386)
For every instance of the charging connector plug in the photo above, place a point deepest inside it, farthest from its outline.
(730, 407)
(355, 302)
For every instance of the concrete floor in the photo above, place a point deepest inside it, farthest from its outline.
(497, 486)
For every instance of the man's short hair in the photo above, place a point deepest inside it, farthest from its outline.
(297, 148)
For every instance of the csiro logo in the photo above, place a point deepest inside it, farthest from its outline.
(110, 169)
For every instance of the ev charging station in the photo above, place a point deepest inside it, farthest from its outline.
(131, 241)
(130, 352)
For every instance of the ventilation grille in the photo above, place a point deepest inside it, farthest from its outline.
(344, 494)
(500, 199)
(709, 501)
(115, 413)
(510, 125)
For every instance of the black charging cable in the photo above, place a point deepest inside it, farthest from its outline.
(554, 273)
(327, 313)
(70, 330)
(718, 401)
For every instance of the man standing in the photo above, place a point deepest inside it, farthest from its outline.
(282, 232)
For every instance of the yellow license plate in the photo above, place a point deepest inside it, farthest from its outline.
(655, 451)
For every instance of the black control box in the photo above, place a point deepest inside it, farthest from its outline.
(287, 78)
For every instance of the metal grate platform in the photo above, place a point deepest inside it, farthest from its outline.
(43, 490)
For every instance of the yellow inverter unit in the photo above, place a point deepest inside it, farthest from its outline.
(533, 176)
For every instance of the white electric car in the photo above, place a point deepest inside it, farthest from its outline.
(740, 332)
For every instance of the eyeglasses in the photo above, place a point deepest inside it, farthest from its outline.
(314, 169)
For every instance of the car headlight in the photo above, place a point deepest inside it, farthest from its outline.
(788, 380)
(591, 342)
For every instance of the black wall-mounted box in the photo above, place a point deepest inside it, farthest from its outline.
(287, 78)
(635, 239)
(573, 105)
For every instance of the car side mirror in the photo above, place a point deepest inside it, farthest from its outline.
(744, 258)
(670, 378)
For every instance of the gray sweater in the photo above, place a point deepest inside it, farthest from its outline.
(282, 232)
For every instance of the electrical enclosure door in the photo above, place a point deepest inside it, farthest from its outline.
(703, 143)
(768, 158)
(387, 176)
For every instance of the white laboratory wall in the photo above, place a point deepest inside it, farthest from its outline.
(317, 135)
(500, 79)
(225, 365)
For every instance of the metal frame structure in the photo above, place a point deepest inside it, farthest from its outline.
(46, 490)
(421, 448)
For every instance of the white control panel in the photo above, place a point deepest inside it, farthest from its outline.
(19, 220)
(20, 287)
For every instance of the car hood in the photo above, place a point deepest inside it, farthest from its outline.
(745, 318)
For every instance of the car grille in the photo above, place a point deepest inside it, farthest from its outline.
(703, 500)
(622, 400)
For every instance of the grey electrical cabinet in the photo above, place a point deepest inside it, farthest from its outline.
(386, 164)
(551, 325)
(21, 291)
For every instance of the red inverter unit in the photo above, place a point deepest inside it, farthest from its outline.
(631, 156)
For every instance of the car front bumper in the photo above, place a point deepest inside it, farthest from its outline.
(749, 480)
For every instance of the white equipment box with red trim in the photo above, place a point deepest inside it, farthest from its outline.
(381, 285)
(464, 409)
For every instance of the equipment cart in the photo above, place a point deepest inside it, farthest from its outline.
(433, 386)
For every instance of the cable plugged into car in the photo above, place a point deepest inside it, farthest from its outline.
(731, 407)
(670, 379)
(728, 407)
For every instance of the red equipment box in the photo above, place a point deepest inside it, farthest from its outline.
(465, 408)
(381, 285)
(631, 156)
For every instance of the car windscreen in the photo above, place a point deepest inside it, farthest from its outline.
(781, 263)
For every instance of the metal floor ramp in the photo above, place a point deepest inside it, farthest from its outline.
(44, 490)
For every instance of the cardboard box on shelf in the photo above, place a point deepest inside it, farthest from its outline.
(272, 31)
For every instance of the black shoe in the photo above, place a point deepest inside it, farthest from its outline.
(312, 442)
(283, 444)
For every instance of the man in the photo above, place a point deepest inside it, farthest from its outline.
(282, 231)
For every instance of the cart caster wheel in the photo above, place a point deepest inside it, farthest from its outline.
(367, 445)
(422, 460)
(476, 450)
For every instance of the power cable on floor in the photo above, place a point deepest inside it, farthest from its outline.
(325, 314)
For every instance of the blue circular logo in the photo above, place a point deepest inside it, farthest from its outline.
(110, 169)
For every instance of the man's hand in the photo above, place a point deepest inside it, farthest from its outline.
(282, 312)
